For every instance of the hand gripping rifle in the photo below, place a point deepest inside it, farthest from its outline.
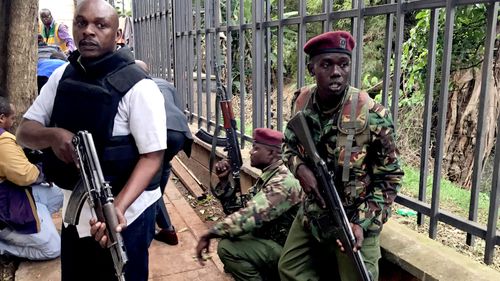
(298, 124)
(93, 188)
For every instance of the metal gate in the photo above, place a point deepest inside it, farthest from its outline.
(178, 38)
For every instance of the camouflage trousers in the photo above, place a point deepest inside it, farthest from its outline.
(305, 259)
(249, 258)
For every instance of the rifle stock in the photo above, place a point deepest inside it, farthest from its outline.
(97, 192)
(298, 124)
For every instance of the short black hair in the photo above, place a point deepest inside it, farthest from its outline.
(5, 108)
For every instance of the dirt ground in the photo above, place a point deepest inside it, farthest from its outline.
(208, 209)
(8, 267)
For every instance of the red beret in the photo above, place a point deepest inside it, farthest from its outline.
(330, 42)
(268, 137)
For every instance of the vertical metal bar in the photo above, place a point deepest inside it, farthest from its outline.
(135, 23)
(151, 39)
(494, 200)
(140, 31)
(257, 63)
(158, 42)
(147, 29)
(180, 52)
(163, 42)
(241, 52)
(268, 88)
(199, 59)
(176, 29)
(327, 9)
(144, 32)
(301, 61)
(154, 40)
(216, 38)
(170, 38)
(429, 92)
(280, 67)
(186, 74)
(136, 13)
(389, 26)
(150, 34)
(190, 49)
(137, 30)
(357, 56)
(483, 102)
(208, 65)
(443, 109)
(229, 51)
(397, 63)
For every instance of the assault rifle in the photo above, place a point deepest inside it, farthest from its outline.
(230, 195)
(298, 124)
(93, 188)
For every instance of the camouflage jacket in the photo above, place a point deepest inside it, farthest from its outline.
(374, 174)
(270, 212)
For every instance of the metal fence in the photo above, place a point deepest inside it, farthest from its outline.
(178, 38)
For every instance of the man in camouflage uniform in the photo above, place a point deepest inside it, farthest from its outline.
(253, 236)
(355, 136)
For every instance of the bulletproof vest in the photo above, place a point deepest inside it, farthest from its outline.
(87, 99)
(352, 125)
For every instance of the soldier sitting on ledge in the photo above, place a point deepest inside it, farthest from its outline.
(253, 236)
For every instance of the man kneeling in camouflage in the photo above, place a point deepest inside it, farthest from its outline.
(254, 235)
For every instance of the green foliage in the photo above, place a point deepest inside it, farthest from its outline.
(248, 127)
(453, 198)
(467, 51)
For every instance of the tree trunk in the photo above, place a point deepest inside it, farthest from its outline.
(462, 118)
(21, 54)
(4, 23)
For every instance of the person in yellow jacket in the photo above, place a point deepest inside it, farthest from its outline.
(55, 33)
(26, 201)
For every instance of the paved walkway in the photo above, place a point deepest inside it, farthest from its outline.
(165, 262)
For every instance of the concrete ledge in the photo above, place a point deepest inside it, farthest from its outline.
(427, 259)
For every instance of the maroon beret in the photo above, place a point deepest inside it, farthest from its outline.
(330, 42)
(268, 137)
